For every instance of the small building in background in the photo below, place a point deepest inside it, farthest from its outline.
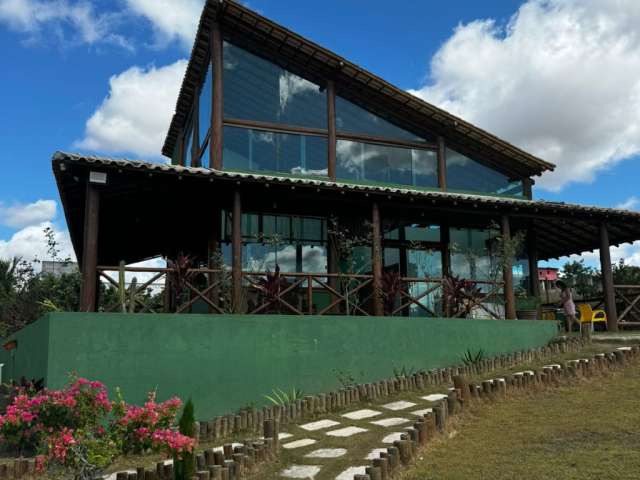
(57, 268)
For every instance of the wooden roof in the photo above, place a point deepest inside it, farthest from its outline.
(145, 203)
(260, 35)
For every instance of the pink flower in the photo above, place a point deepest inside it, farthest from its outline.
(173, 441)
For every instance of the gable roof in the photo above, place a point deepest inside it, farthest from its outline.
(260, 35)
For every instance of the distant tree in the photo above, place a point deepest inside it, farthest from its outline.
(184, 465)
(624, 274)
(583, 278)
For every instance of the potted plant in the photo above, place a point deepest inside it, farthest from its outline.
(527, 307)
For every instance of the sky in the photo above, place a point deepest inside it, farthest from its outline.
(558, 78)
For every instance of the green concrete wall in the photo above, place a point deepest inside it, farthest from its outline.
(30, 358)
(225, 362)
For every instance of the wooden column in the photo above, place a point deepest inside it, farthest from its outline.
(607, 280)
(213, 252)
(331, 129)
(507, 272)
(527, 188)
(236, 252)
(445, 239)
(376, 260)
(217, 111)
(442, 164)
(88, 290)
(534, 277)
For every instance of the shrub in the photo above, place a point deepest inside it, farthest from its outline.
(183, 459)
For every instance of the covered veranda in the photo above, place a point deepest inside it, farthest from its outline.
(125, 211)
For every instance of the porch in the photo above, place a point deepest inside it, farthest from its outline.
(135, 211)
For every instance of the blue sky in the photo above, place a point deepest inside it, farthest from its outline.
(510, 74)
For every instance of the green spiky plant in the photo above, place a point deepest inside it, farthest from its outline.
(184, 466)
(470, 358)
(280, 398)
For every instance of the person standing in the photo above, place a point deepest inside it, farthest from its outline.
(566, 301)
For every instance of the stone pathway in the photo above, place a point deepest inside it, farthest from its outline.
(323, 449)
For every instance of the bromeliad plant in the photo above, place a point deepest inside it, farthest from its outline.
(391, 286)
(460, 296)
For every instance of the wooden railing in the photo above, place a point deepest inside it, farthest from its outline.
(628, 303)
(276, 293)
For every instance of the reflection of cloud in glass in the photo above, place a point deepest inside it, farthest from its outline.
(258, 136)
(455, 158)
(304, 171)
(291, 85)
(263, 258)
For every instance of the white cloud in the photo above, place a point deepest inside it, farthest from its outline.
(68, 21)
(629, 204)
(135, 116)
(561, 79)
(171, 19)
(21, 215)
(30, 243)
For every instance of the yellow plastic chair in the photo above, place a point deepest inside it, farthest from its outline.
(588, 314)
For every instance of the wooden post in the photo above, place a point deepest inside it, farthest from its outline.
(445, 239)
(331, 129)
(509, 296)
(213, 249)
(607, 280)
(442, 165)
(217, 111)
(236, 252)
(90, 249)
(527, 188)
(534, 276)
(376, 260)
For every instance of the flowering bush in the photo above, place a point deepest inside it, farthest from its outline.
(134, 426)
(78, 429)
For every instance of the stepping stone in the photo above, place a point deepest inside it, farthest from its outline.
(399, 405)
(327, 453)
(305, 442)
(375, 453)
(390, 422)
(423, 412)
(351, 472)
(624, 349)
(301, 471)
(395, 436)
(319, 425)
(346, 432)
(435, 397)
(360, 414)
(284, 436)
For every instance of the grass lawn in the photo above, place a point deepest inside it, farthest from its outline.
(590, 430)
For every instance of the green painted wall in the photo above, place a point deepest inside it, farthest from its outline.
(30, 358)
(225, 362)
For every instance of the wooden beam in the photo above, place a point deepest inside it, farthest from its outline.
(607, 280)
(236, 251)
(195, 143)
(445, 239)
(534, 277)
(376, 259)
(527, 187)
(217, 108)
(509, 296)
(331, 128)
(442, 164)
(89, 285)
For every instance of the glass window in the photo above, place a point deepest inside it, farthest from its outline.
(464, 173)
(350, 118)
(471, 254)
(205, 156)
(381, 163)
(256, 150)
(204, 107)
(256, 89)
(422, 233)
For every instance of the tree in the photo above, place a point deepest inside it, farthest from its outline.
(585, 279)
(624, 274)
(184, 465)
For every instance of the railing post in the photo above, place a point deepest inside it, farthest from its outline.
(236, 252)
(90, 249)
(376, 260)
(607, 280)
(507, 273)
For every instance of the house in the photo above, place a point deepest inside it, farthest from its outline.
(301, 183)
